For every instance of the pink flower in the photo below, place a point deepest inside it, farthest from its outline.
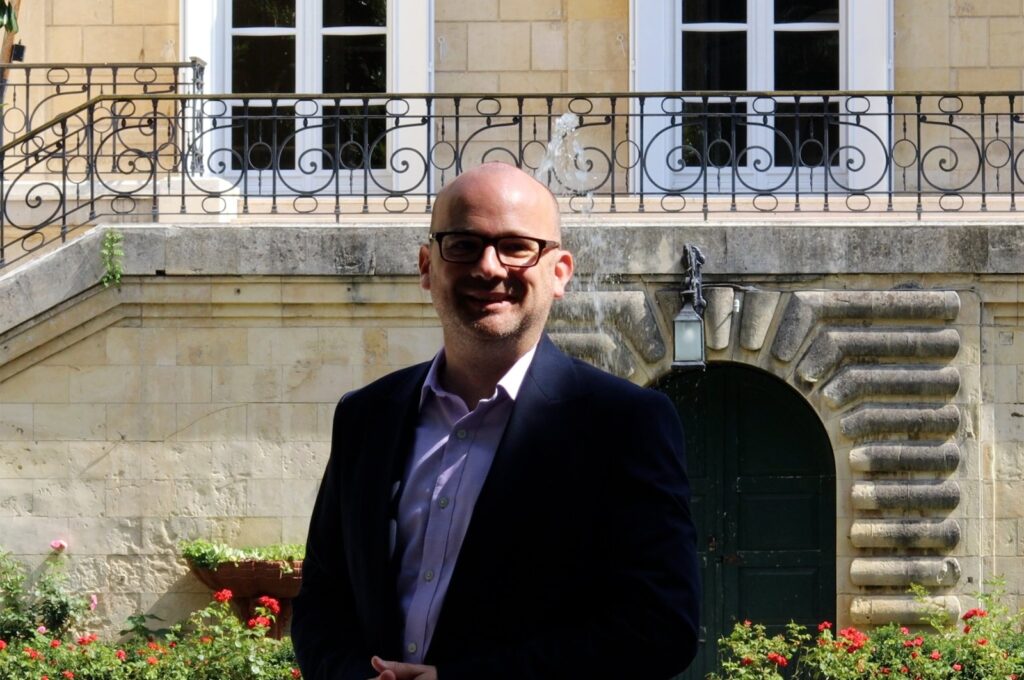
(93, 601)
(58, 544)
(41, 630)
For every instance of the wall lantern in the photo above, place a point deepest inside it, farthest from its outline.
(688, 326)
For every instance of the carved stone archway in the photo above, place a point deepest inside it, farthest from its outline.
(878, 368)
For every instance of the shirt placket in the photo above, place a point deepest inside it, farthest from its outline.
(438, 530)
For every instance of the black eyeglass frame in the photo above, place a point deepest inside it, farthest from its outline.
(485, 241)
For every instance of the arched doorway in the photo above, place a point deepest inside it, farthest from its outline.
(763, 479)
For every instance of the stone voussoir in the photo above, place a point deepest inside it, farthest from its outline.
(807, 308)
(905, 533)
(930, 572)
(878, 610)
(629, 311)
(905, 495)
(909, 457)
(878, 419)
(834, 346)
(857, 382)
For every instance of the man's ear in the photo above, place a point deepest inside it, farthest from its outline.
(425, 267)
(563, 272)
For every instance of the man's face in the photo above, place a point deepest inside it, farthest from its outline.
(486, 300)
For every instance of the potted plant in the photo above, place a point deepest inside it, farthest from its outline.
(249, 573)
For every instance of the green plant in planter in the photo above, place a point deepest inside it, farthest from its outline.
(209, 555)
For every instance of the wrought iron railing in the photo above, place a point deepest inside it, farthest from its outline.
(34, 94)
(167, 157)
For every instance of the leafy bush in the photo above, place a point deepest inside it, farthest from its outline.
(26, 606)
(37, 641)
(987, 643)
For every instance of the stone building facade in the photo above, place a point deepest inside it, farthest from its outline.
(195, 399)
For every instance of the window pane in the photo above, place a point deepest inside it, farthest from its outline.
(263, 63)
(355, 63)
(721, 127)
(262, 13)
(789, 11)
(807, 61)
(253, 138)
(355, 12)
(354, 132)
(703, 11)
(811, 122)
(714, 61)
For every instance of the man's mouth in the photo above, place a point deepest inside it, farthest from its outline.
(488, 301)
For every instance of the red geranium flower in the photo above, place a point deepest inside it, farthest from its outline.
(69, 675)
(823, 626)
(270, 603)
(296, 673)
(3, 645)
(121, 654)
(151, 660)
(936, 654)
(223, 595)
(261, 621)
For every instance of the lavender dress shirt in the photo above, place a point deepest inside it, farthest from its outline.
(452, 453)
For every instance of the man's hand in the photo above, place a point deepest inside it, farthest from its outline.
(395, 670)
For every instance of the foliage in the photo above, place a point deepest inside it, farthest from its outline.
(986, 643)
(26, 605)
(212, 644)
(752, 654)
(112, 256)
(207, 555)
(8, 20)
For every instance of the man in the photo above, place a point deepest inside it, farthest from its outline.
(502, 512)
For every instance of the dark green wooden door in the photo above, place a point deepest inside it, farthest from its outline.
(763, 481)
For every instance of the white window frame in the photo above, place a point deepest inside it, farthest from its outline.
(865, 30)
(206, 30)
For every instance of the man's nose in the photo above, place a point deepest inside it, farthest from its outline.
(489, 265)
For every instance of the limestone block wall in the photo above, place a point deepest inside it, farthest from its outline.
(196, 399)
(187, 407)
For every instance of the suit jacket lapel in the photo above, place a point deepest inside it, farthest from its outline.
(390, 430)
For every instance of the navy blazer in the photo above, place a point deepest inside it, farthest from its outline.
(579, 560)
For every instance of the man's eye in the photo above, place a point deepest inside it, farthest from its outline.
(517, 247)
(461, 245)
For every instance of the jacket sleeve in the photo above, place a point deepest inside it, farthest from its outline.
(325, 630)
(642, 617)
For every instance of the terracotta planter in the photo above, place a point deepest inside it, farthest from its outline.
(250, 579)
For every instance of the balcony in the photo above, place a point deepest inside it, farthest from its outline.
(174, 154)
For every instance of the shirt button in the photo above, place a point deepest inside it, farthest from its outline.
(428, 575)
(411, 647)
(461, 434)
(443, 502)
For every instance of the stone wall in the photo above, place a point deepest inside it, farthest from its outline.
(195, 400)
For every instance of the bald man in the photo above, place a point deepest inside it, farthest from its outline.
(502, 511)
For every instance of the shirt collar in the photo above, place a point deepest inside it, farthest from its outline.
(509, 383)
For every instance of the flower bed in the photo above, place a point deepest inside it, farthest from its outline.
(985, 644)
(38, 638)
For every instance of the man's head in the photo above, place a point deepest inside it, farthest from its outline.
(488, 300)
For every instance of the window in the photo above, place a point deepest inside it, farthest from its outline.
(753, 46)
(310, 47)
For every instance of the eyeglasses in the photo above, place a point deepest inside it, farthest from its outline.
(465, 247)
